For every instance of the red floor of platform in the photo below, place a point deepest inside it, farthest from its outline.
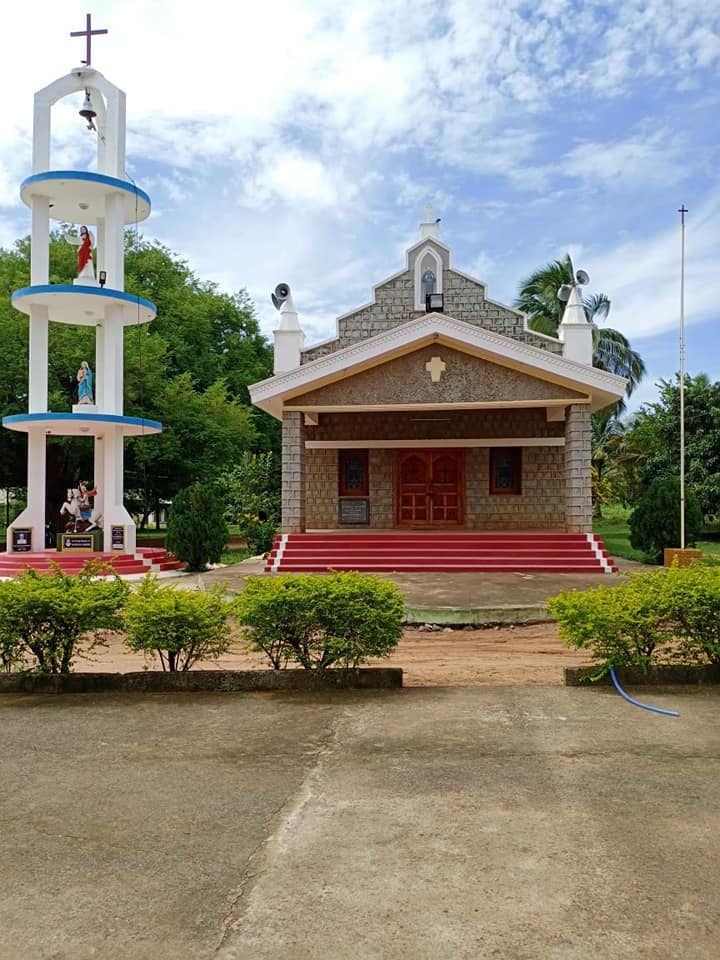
(439, 552)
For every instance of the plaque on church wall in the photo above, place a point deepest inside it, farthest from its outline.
(354, 510)
(22, 540)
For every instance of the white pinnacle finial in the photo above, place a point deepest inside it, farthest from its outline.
(574, 310)
(575, 332)
(430, 226)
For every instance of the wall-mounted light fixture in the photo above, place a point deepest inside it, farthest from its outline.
(102, 278)
(434, 303)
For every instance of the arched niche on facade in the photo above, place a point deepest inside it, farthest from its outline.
(428, 273)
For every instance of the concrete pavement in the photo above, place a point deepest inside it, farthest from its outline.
(512, 823)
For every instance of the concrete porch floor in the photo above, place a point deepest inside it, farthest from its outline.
(457, 597)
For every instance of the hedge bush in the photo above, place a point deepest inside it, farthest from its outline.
(692, 604)
(667, 616)
(341, 619)
(46, 619)
(179, 626)
(655, 521)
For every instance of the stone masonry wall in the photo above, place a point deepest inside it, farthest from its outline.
(293, 473)
(394, 305)
(382, 506)
(321, 509)
(540, 505)
(578, 489)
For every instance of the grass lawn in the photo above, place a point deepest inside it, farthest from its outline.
(235, 555)
(614, 530)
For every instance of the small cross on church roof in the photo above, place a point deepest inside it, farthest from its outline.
(88, 33)
(428, 213)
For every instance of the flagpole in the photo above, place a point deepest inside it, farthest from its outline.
(682, 211)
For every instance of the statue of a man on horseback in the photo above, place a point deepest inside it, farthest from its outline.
(82, 516)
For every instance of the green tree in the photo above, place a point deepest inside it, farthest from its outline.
(189, 368)
(196, 530)
(655, 438)
(611, 350)
(203, 431)
(251, 491)
(607, 433)
(655, 521)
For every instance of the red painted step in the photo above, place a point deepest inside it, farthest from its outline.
(123, 564)
(440, 552)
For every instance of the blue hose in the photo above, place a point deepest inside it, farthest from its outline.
(636, 703)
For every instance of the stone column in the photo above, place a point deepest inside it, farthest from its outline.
(578, 494)
(293, 473)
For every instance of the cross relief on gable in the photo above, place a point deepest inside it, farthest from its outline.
(436, 366)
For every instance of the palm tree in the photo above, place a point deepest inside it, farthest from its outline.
(607, 438)
(611, 350)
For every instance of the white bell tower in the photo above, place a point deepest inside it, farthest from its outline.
(105, 202)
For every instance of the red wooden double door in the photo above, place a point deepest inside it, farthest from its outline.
(429, 488)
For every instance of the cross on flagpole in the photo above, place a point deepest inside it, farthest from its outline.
(88, 33)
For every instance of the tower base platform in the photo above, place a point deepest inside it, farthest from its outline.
(144, 560)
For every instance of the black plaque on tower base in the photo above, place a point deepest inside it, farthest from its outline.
(21, 540)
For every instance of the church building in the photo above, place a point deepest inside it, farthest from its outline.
(435, 409)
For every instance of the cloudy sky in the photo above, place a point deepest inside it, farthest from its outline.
(299, 140)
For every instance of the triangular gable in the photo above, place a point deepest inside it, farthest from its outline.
(443, 252)
(437, 329)
(436, 374)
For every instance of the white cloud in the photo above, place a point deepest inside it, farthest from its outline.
(292, 177)
(658, 156)
(298, 139)
(642, 276)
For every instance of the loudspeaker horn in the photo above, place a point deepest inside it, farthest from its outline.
(280, 295)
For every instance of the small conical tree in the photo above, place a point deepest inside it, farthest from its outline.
(655, 521)
(196, 530)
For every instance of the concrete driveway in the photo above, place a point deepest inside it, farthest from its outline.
(511, 823)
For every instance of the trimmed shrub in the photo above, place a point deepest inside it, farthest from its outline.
(178, 626)
(622, 626)
(670, 616)
(655, 521)
(196, 529)
(341, 619)
(47, 619)
(257, 533)
(692, 603)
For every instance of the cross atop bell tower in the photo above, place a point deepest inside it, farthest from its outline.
(88, 33)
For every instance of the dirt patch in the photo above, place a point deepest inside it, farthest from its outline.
(495, 656)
